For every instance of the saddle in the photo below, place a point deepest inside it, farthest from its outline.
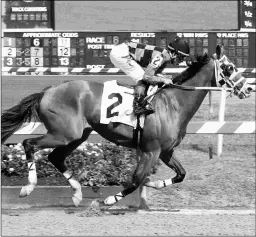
(117, 106)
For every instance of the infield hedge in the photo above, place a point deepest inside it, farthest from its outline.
(93, 164)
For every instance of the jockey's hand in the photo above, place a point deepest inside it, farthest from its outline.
(164, 75)
(167, 81)
(154, 80)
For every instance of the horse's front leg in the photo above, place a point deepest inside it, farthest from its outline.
(145, 163)
(168, 157)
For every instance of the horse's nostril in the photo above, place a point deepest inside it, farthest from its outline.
(241, 96)
(249, 89)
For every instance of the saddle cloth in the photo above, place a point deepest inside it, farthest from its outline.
(117, 104)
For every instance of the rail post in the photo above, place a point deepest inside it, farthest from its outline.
(143, 196)
(210, 102)
(211, 111)
(221, 119)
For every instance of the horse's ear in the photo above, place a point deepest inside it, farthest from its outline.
(218, 51)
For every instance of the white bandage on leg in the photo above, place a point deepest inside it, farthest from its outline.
(159, 183)
(67, 175)
(32, 177)
(113, 199)
(72, 181)
(167, 182)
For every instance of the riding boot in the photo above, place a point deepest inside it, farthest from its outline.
(140, 106)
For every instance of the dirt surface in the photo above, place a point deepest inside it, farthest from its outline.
(59, 222)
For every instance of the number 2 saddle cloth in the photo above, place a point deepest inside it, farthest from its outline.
(117, 104)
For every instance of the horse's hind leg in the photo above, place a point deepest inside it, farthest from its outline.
(31, 146)
(57, 158)
(146, 161)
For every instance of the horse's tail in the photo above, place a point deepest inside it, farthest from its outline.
(13, 118)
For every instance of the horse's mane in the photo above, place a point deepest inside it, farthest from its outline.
(193, 69)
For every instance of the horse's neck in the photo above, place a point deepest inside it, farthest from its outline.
(193, 99)
(203, 78)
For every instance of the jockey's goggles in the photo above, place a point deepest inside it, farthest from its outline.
(177, 54)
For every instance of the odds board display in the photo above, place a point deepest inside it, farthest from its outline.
(64, 49)
(248, 14)
(28, 14)
(91, 49)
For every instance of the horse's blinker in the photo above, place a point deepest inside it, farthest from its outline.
(227, 74)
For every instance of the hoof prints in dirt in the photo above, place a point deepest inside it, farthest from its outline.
(97, 212)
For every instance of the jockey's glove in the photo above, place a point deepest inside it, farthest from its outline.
(155, 80)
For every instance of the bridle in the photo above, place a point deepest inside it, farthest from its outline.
(174, 53)
(232, 81)
(221, 81)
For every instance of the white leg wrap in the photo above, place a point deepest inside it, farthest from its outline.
(26, 190)
(32, 177)
(159, 184)
(67, 174)
(32, 180)
(77, 195)
(113, 199)
(167, 182)
(29, 189)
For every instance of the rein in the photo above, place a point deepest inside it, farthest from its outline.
(188, 88)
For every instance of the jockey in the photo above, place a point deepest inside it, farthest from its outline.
(143, 63)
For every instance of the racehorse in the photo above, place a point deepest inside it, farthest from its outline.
(71, 110)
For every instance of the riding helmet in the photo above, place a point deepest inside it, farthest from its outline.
(179, 46)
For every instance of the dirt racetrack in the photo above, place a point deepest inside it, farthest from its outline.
(183, 222)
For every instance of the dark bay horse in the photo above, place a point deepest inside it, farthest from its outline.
(71, 111)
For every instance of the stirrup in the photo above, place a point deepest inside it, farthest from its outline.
(145, 111)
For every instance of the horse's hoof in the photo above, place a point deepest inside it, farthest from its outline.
(77, 198)
(109, 201)
(24, 192)
(76, 201)
(97, 203)
(159, 185)
(144, 207)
